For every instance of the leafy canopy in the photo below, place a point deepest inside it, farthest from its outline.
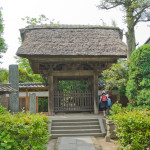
(42, 19)
(138, 86)
(4, 76)
(116, 76)
(25, 72)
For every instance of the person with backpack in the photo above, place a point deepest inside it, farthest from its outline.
(103, 101)
(109, 103)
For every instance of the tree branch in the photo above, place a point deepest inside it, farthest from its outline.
(109, 5)
(138, 16)
(144, 20)
(104, 7)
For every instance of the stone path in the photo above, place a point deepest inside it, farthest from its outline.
(75, 143)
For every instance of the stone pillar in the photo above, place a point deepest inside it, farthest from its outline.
(14, 81)
(95, 88)
(51, 95)
(32, 103)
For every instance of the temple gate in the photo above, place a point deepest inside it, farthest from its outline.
(71, 53)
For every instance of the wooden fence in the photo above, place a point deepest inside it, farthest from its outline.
(73, 101)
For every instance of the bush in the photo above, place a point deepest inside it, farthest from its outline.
(138, 85)
(2, 110)
(133, 129)
(23, 131)
(115, 109)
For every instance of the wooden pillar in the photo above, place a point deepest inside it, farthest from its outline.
(51, 95)
(95, 92)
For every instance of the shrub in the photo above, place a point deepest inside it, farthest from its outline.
(133, 129)
(2, 110)
(138, 85)
(23, 131)
(115, 109)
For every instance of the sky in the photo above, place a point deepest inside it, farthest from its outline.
(72, 12)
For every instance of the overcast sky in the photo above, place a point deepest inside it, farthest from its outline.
(83, 12)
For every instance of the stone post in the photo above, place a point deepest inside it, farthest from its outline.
(111, 134)
(14, 81)
(32, 103)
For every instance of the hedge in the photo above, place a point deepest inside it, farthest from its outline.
(23, 131)
(132, 128)
(138, 85)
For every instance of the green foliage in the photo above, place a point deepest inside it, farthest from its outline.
(4, 76)
(25, 72)
(132, 126)
(72, 85)
(133, 129)
(116, 109)
(3, 46)
(138, 86)
(42, 19)
(116, 76)
(140, 107)
(2, 110)
(35, 21)
(23, 131)
(42, 104)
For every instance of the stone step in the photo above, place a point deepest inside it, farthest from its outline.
(53, 136)
(79, 131)
(75, 127)
(75, 123)
(74, 120)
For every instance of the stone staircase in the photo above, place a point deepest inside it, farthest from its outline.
(77, 127)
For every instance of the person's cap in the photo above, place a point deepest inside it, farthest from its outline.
(103, 92)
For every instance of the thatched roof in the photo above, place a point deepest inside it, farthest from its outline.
(71, 41)
(5, 88)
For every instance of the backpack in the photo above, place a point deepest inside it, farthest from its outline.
(109, 102)
(104, 98)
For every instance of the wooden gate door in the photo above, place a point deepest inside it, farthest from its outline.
(73, 101)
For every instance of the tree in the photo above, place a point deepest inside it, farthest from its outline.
(116, 76)
(138, 85)
(25, 72)
(135, 11)
(42, 19)
(3, 46)
(4, 76)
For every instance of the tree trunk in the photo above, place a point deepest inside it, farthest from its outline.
(130, 35)
(131, 46)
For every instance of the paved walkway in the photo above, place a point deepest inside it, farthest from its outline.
(75, 143)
